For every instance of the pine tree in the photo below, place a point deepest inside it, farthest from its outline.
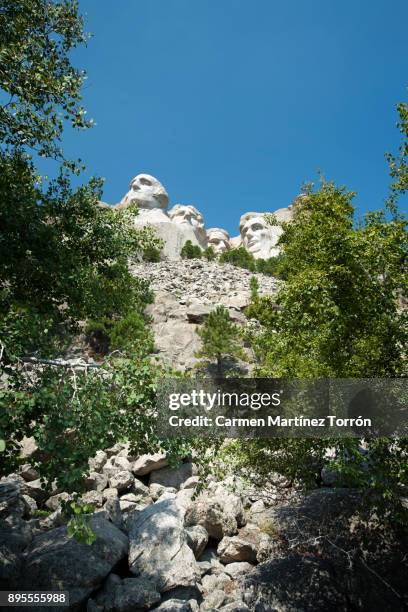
(220, 338)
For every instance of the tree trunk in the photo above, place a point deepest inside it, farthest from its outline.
(219, 366)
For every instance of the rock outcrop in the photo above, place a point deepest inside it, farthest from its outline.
(185, 292)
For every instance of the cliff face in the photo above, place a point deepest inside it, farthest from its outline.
(185, 292)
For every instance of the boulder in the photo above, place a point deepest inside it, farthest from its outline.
(96, 482)
(210, 514)
(245, 546)
(54, 561)
(28, 472)
(54, 502)
(158, 547)
(238, 568)
(294, 583)
(214, 600)
(11, 502)
(34, 489)
(170, 477)
(121, 480)
(94, 498)
(96, 463)
(123, 463)
(196, 313)
(109, 493)
(215, 581)
(149, 463)
(197, 539)
(138, 488)
(113, 512)
(134, 594)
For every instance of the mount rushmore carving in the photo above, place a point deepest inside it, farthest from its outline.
(185, 222)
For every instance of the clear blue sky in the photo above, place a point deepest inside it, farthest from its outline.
(233, 104)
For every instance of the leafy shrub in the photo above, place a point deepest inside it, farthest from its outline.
(274, 266)
(239, 257)
(209, 253)
(152, 254)
(191, 251)
(132, 334)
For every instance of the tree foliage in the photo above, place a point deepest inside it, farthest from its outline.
(191, 251)
(338, 313)
(64, 261)
(398, 164)
(239, 257)
(220, 338)
(41, 89)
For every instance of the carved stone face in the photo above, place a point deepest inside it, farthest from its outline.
(189, 215)
(147, 192)
(257, 236)
(218, 239)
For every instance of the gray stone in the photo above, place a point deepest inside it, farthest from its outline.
(94, 498)
(235, 606)
(149, 463)
(114, 512)
(109, 493)
(190, 483)
(171, 477)
(211, 515)
(138, 488)
(215, 581)
(214, 600)
(31, 505)
(158, 547)
(121, 480)
(243, 547)
(28, 472)
(11, 502)
(156, 490)
(197, 539)
(123, 463)
(238, 568)
(116, 449)
(35, 490)
(96, 482)
(294, 583)
(134, 594)
(110, 469)
(96, 463)
(54, 561)
(55, 519)
(54, 502)
(196, 313)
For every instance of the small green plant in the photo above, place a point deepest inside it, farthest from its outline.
(269, 527)
(209, 253)
(254, 287)
(191, 251)
(79, 527)
(152, 254)
(38, 513)
(240, 258)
